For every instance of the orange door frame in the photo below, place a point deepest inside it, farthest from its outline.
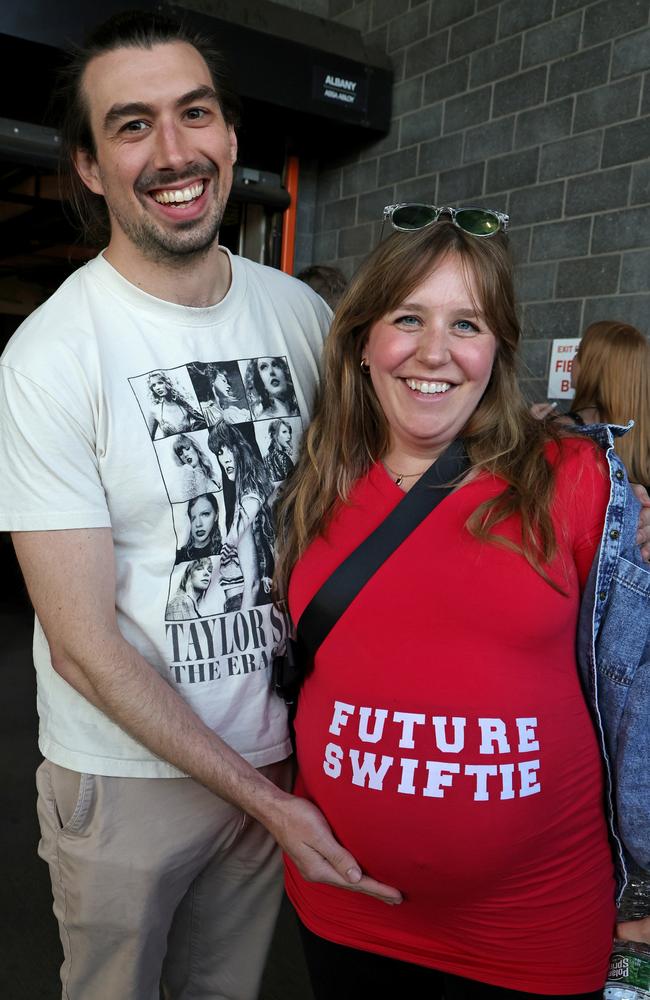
(291, 173)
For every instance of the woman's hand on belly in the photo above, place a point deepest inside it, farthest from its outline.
(304, 834)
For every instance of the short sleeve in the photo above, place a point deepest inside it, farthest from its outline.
(582, 495)
(49, 476)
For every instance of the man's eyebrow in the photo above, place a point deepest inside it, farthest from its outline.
(203, 93)
(138, 108)
(119, 111)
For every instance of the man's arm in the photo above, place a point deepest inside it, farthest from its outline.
(643, 534)
(71, 581)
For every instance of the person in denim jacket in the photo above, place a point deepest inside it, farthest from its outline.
(614, 658)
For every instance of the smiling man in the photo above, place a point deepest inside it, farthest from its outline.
(164, 164)
(164, 786)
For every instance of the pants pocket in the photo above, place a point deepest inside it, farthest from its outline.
(69, 796)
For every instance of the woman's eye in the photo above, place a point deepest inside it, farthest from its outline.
(409, 321)
(466, 326)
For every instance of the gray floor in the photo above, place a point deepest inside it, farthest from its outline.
(30, 952)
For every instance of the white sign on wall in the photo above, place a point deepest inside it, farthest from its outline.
(559, 374)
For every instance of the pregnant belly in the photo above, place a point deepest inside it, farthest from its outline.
(436, 825)
(440, 850)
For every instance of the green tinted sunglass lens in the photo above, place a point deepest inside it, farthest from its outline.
(413, 216)
(477, 222)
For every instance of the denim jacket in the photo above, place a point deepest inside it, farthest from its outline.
(614, 659)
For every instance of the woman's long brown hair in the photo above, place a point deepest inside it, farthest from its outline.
(349, 431)
(614, 378)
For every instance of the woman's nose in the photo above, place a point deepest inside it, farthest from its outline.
(433, 346)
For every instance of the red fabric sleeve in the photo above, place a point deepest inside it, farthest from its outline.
(581, 498)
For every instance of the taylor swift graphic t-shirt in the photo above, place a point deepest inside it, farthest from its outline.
(156, 420)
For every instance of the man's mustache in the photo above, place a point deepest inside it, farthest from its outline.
(166, 178)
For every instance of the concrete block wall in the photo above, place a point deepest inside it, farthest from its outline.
(318, 7)
(537, 107)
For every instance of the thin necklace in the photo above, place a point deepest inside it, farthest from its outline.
(400, 476)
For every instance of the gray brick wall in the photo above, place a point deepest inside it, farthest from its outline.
(319, 7)
(537, 107)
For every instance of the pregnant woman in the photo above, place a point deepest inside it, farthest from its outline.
(443, 730)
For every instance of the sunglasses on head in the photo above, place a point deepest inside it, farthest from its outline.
(410, 216)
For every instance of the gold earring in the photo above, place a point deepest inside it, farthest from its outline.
(365, 367)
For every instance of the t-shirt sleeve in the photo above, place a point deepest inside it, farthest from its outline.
(49, 476)
(582, 498)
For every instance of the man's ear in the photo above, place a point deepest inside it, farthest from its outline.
(87, 168)
(233, 144)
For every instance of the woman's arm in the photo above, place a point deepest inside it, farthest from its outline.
(152, 423)
(643, 533)
(245, 513)
(634, 930)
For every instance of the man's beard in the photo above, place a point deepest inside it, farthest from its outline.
(188, 240)
(178, 247)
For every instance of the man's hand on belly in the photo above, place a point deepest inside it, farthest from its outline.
(303, 832)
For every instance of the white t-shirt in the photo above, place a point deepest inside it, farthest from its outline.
(102, 398)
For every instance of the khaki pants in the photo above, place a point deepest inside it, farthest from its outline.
(157, 883)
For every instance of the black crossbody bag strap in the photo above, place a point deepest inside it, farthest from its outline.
(348, 579)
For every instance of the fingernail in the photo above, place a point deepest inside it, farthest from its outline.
(353, 875)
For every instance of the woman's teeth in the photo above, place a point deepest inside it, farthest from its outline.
(429, 388)
(179, 195)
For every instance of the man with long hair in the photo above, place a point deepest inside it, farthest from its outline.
(162, 793)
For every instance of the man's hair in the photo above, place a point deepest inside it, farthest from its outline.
(136, 30)
(329, 282)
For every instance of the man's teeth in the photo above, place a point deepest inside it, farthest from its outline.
(428, 387)
(179, 195)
